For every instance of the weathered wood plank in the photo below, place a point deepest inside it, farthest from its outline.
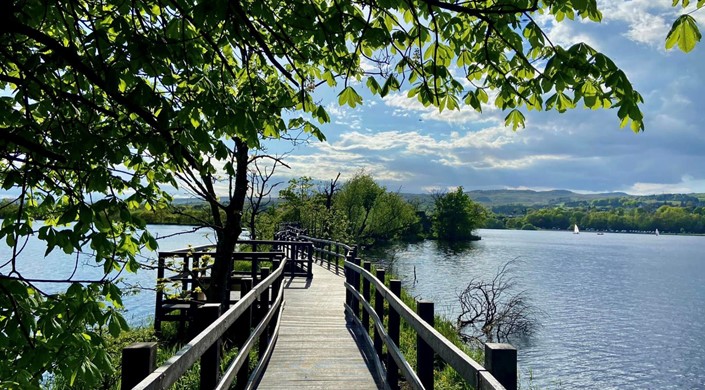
(316, 348)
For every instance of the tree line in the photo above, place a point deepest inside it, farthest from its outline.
(665, 218)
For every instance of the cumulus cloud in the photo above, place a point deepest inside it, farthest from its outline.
(686, 185)
(404, 106)
(647, 21)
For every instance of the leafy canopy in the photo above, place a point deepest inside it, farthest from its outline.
(108, 105)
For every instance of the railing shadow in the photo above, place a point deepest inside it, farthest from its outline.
(294, 283)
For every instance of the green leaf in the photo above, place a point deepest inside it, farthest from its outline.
(684, 33)
(350, 97)
(515, 118)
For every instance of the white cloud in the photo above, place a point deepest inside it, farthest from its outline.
(566, 34)
(344, 116)
(687, 185)
(405, 106)
(326, 162)
(648, 21)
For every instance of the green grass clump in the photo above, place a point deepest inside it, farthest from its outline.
(445, 377)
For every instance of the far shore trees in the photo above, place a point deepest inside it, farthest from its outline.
(108, 106)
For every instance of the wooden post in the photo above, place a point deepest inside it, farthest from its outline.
(275, 286)
(264, 308)
(379, 310)
(309, 250)
(138, 361)
(366, 295)
(159, 297)
(244, 326)
(210, 360)
(348, 279)
(254, 267)
(275, 293)
(294, 258)
(501, 362)
(183, 313)
(393, 331)
(330, 256)
(337, 251)
(424, 352)
(356, 284)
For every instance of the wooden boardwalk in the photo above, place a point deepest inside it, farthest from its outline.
(316, 348)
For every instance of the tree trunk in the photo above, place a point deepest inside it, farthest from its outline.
(228, 233)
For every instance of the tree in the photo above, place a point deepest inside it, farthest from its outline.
(108, 106)
(372, 212)
(456, 216)
(356, 199)
(493, 311)
(260, 189)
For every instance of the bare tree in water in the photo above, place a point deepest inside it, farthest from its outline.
(494, 311)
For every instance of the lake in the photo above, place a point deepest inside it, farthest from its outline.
(621, 311)
(139, 306)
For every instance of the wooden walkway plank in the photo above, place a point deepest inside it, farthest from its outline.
(316, 349)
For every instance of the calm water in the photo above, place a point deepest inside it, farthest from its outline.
(621, 311)
(139, 304)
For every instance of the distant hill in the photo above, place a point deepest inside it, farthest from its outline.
(496, 199)
(499, 199)
(535, 198)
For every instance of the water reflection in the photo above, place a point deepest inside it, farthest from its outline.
(455, 249)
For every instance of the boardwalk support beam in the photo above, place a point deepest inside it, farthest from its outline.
(501, 362)
(393, 331)
(138, 361)
(210, 360)
(424, 352)
(379, 310)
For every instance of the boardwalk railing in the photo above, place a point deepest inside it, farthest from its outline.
(259, 307)
(499, 372)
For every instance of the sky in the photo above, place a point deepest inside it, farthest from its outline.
(414, 149)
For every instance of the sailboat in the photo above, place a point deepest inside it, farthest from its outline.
(575, 229)
(656, 232)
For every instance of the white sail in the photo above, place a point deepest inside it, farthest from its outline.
(575, 229)
(656, 232)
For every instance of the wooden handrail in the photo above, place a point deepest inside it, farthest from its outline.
(471, 371)
(466, 367)
(234, 367)
(324, 241)
(169, 372)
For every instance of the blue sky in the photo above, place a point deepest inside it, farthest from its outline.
(411, 148)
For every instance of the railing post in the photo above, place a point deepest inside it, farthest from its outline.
(424, 352)
(393, 331)
(309, 274)
(294, 258)
(337, 251)
(275, 293)
(275, 286)
(138, 361)
(348, 279)
(379, 310)
(244, 325)
(210, 360)
(501, 362)
(263, 309)
(159, 296)
(254, 264)
(356, 284)
(366, 295)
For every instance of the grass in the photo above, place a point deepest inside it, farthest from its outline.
(445, 377)
(168, 345)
